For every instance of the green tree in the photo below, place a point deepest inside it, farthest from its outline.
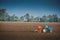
(13, 18)
(3, 14)
(43, 19)
(53, 18)
(22, 18)
(16, 18)
(31, 18)
(27, 17)
(58, 19)
(37, 19)
(50, 18)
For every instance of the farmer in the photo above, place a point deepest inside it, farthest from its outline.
(46, 26)
(39, 29)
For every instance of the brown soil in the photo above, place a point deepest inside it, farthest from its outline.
(25, 31)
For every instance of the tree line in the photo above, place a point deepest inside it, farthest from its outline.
(4, 16)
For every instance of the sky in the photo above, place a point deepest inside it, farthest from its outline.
(33, 7)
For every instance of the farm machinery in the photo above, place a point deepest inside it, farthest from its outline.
(43, 29)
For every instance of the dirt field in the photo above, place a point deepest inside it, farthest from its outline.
(25, 31)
